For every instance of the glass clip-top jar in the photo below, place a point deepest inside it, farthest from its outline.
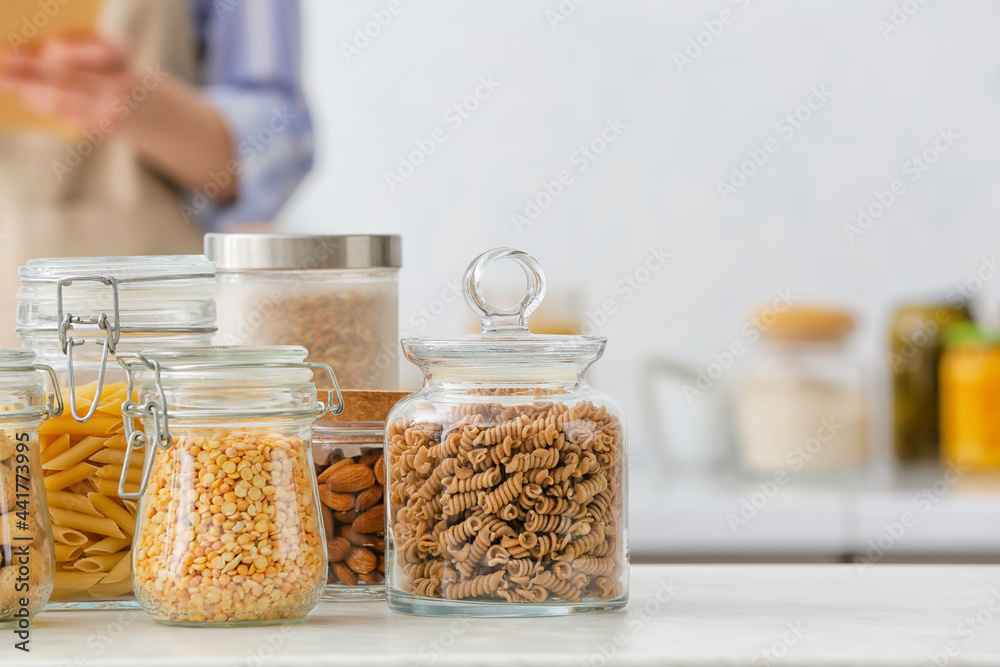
(27, 557)
(78, 314)
(506, 472)
(229, 529)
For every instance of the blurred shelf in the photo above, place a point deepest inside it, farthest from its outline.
(904, 517)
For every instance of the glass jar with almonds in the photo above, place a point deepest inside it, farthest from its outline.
(506, 472)
(229, 530)
(77, 314)
(27, 557)
(350, 469)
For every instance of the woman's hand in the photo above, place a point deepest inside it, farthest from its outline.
(92, 84)
(85, 82)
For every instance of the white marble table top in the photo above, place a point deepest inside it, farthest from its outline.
(684, 615)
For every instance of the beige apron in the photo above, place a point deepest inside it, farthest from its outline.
(95, 198)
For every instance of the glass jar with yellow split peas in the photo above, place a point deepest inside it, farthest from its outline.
(78, 314)
(506, 473)
(229, 530)
(27, 559)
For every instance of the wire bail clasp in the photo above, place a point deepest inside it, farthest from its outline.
(328, 408)
(53, 402)
(67, 322)
(157, 411)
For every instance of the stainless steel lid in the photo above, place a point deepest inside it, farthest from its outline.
(241, 252)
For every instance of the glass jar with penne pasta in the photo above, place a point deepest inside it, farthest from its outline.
(506, 472)
(27, 557)
(78, 315)
(229, 530)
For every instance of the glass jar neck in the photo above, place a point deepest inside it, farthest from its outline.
(49, 350)
(515, 377)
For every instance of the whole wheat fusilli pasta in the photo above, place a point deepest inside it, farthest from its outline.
(520, 502)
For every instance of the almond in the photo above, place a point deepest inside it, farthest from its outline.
(372, 577)
(334, 467)
(380, 563)
(369, 457)
(379, 469)
(361, 560)
(371, 521)
(359, 539)
(350, 478)
(345, 574)
(337, 548)
(329, 523)
(368, 498)
(345, 517)
(339, 502)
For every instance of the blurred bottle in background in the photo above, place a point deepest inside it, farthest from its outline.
(970, 397)
(915, 349)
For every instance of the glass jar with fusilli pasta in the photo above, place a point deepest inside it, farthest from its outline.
(506, 473)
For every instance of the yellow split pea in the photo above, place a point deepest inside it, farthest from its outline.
(229, 531)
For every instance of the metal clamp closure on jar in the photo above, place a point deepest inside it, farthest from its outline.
(157, 410)
(112, 327)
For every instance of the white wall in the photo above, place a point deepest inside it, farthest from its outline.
(656, 184)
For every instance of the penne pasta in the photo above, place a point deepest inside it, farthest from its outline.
(98, 425)
(64, 478)
(114, 473)
(56, 447)
(111, 590)
(72, 501)
(108, 545)
(91, 527)
(76, 581)
(117, 442)
(85, 522)
(65, 552)
(102, 563)
(121, 571)
(78, 453)
(73, 538)
(109, 487)
(117, 457)
(112, 403)
(112, 510)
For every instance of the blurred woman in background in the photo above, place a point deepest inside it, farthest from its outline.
(189, 115)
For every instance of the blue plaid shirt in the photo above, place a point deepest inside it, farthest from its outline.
(250, 71)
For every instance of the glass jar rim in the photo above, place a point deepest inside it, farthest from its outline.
(188, 358)
(135, 267)
(498, 349)
(17, 359)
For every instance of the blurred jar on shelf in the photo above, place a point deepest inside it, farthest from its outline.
(802, 406)
(970, 397)
(915, 348)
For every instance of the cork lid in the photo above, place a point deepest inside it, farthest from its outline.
(366, 406)
(805, 323)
